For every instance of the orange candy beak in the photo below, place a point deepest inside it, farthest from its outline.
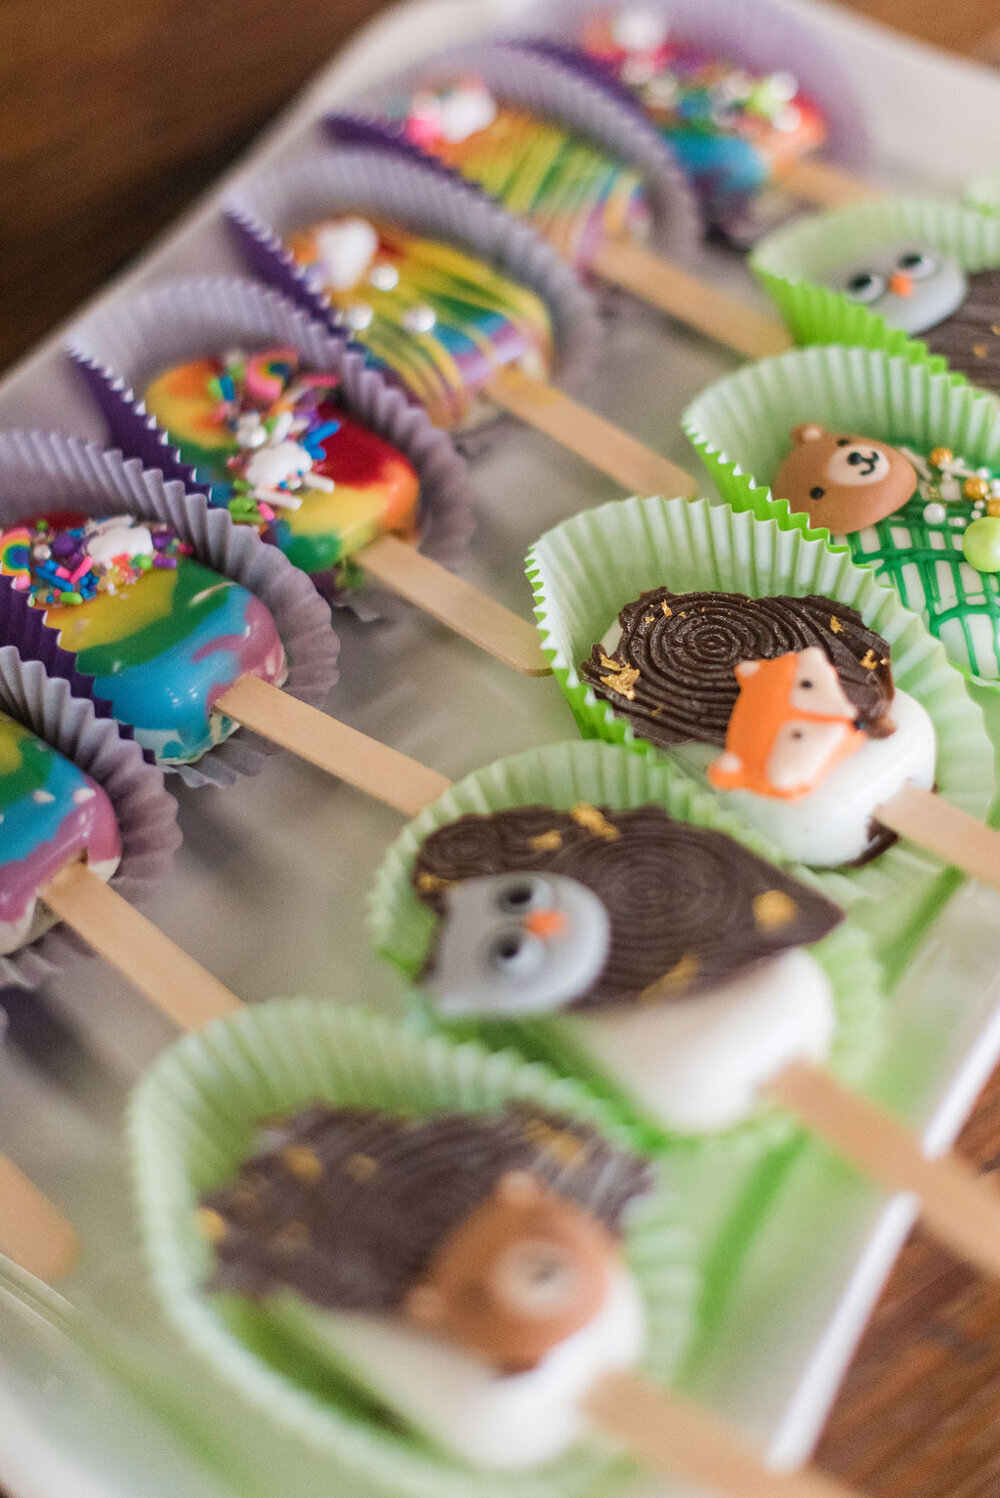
(545, 923)
(901, 285)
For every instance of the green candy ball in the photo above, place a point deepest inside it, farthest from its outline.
(981, 544)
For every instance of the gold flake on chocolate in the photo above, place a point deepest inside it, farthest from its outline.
(303, 1163)
(211, 1225)
(547, 842)
(361, 1168)
(594, 821)
(774, 909)
(620, 678)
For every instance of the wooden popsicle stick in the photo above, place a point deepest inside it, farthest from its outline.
(473, 615)
(672, 1435)
(372, 767)
(600, 443)
(960, 1209)
(933, 823)
(824, 184)
(691, 301)
(33, 1232)
(171, 980)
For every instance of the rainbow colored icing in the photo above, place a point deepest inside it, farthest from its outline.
(162, 635)
(731, 130)
(441, 320)
(576, 195)
(51, 814)
(284, 457)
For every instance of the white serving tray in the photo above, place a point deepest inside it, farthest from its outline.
(272, 879)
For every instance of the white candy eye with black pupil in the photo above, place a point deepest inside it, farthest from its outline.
(865, 286)
(537, 1278)
(524, 893)
(918, 264)
(516, 953)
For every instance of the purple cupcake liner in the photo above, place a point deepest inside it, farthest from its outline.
(42, 471)
(146, 812)
(542, 83)
(120, 349)
(754, 34)
(386, 183)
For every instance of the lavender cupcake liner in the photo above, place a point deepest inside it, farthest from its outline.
(546, 87)
(752, 34)
(120, 349)
(42, 471)
(425, 199)
(146, 812)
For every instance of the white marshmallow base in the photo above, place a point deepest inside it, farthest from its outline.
(698, 1065)
(507, 1422)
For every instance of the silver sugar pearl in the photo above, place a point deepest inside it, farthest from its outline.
(935, 513)
(419, 319)
(41, 553)
(358, 316)
(788, 118)
(783, 86)
(383, 277)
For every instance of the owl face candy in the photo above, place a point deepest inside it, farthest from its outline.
(468, 1269)
(575, 194)
(911, 287)
(162, 635)
(284, 457)
(441, 321)
(929, 525)
(797, 692)
(51, 814)
(674, 946)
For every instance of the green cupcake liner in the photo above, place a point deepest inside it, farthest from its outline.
(983, 193)
(587, 568)
(792, 262)
(193, 1122)
(561, 776)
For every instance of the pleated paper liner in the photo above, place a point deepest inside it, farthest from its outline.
(753, 34)
(587, 568)
(56, 709)
(42, 472)
(561, 95)
(193, 1122)
(427, 200)
(124, 346)
(562, 776)
(983, 193)
(792, 263)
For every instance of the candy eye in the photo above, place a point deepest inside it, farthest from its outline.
(537, 1278)
(524, 893)
(865, 286)
(516, 953)
(918, 264)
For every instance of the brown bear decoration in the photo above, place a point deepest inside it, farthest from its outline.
(843, 482)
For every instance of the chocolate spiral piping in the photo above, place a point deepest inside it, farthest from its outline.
(346, 1206)
(688, 908)
(968, 338)
(673, 674)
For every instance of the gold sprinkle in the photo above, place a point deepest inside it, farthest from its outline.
(835, 625)
(620, 678)
(211, 1225)
(594, 821)
(995, 329)
(657, 711)
(565, 1147)
(303, 1163)
(292, 1237)
(773, 910)
(648, 618)
(667, 610)
(981, 350)
(361, 1168)
(431, 884)
(547, 842)
(869, 660)
(680, 976)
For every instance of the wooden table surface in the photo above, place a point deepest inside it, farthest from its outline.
(115, 116)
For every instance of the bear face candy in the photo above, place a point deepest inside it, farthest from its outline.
(51, 814)
(925, 524)
(162, 635)
(284, 457)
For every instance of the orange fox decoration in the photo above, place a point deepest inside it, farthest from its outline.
(791, 724)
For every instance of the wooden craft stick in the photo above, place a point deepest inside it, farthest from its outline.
(692, 301)
(473, 615)
(33, 1232)
(825, 185)
(372, 767)
(600, 443)
(171, 980)
(959, 1208)
(933, 823)
(685, 1441)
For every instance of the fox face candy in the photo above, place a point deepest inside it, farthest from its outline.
(841, 481)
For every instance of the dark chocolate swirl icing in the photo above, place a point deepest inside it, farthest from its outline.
(346, 1206)
(970, 338)
(673, 674)
(688, 908)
